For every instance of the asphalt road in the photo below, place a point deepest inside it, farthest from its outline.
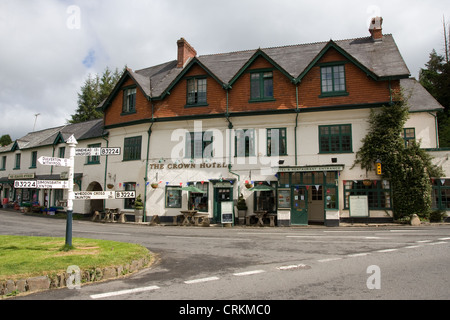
(253, 263)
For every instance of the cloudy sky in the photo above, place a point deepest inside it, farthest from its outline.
(49, 47)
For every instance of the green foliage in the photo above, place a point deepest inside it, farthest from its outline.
(5, 140)
(436, 79)
(409, 168)
(138, 204)
(94, 91)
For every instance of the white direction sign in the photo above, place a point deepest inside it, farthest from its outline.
(93, 195)
(97, 151)
(25, 184)
(125, 194)
(50, 161)
(53, 184)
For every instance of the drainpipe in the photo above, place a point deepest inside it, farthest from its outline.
(144, 218)
(436, 128)
(106, 168)
(230, 126)
(296, 122)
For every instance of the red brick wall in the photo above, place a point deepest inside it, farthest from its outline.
(361, 88)
(113, 114)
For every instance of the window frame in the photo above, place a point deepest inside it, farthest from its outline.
(179, 197)
(330, 137)
(333, 92)
(249, 144)
(406, 139)
(127, 107)
(191, 138)
(93, 159)
(129, 203)
(33, 160)
(379, 188)
(129, 154)
(17, 161)
(269, 145)
(195, 90)
(260, 84)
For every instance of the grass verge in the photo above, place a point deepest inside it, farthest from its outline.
(23, 256)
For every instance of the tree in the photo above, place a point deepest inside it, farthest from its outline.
(436, 79)
(5, 140)
(93, 92)
(408, 168)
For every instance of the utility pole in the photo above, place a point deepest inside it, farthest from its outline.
(35, 119)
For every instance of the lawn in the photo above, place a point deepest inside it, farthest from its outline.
(22, 256)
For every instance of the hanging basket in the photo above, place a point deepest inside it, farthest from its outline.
(367, 182)
(154, 185)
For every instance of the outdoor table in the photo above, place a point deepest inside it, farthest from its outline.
(187, 214)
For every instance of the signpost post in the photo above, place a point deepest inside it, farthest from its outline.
(72, 142)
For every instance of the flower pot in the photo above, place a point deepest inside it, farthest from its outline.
(138, 214)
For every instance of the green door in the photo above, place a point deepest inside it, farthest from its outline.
(221, 195)
(299, 206)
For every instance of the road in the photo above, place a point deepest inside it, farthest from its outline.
(250, 263)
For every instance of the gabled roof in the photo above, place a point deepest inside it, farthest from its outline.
(81, 131)
(379, 59)
(419, 99)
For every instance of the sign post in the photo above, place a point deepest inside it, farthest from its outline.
(71, 142)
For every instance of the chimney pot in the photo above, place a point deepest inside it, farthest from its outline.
(376, 29)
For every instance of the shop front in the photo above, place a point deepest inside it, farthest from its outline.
(308, 195)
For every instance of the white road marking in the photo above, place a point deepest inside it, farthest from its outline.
(412, 247)
(444, 239)
(294, 266)
(201, 280)
(358, 254)
(247, 273)
(387, 250)
(423, 241)
(122, 292)
(209, 238)
(329, 259)
(434, 243)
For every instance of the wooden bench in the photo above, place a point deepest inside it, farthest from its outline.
(202, 218)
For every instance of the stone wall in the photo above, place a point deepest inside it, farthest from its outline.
(59, 280)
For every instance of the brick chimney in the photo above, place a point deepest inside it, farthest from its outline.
(185, 52)
(375, 28)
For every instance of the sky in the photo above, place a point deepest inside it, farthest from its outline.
(48, 48)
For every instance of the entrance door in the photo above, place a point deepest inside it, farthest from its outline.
(221, 195)
(316, 204)
(299, 208)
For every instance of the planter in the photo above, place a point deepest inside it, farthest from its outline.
(154, 185)
(138, 214)
(241, 216)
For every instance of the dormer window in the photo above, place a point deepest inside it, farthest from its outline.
(261, 86)
(196, 92)
(129, 100)
(333, 80)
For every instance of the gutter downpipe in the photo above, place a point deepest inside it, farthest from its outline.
(436, 128)
(296, 122)
(106, 168)
(230, 126)
(144, 218)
